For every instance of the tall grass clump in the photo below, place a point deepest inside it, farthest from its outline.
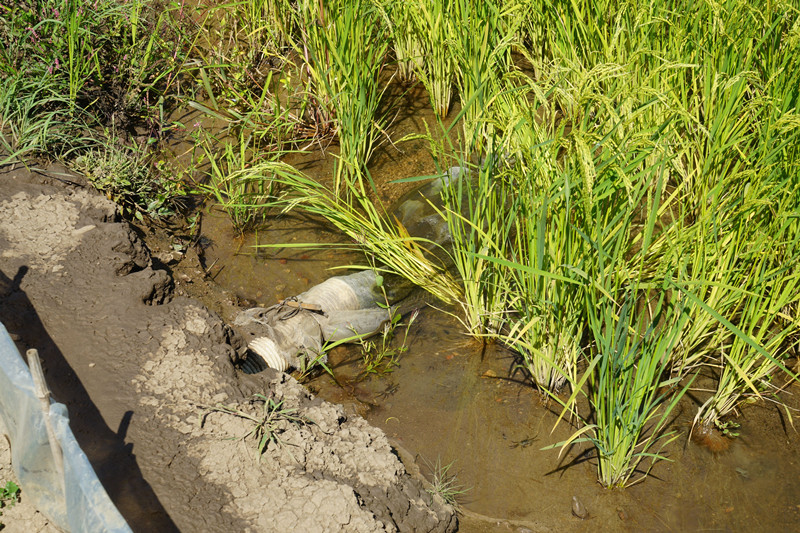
(237, 50)
(248, 121)
(82, 80)
(528, 223)
(242, 184)
(113, 61)
(127, 176)
(255, 131)
(407, 44)
(35, 119)
(267, 24)
(344, 44)
(434, 26)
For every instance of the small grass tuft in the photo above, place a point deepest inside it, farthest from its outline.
(445, 484)
(269, 422)
(126, 176)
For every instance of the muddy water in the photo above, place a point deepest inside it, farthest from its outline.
(260, 274)
(453, 401)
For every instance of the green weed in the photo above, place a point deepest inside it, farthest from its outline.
(9, 496)
(269, 421)
(444, 483)
(128, 178)
(381, 356)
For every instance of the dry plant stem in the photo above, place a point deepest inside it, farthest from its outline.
(43, 393)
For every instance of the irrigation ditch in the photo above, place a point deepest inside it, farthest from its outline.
(452, 400)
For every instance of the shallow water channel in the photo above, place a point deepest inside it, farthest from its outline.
(451, 400)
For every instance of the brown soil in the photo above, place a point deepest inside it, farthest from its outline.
(144, 370)
(18, 516)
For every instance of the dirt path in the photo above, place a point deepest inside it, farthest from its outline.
(140, 368)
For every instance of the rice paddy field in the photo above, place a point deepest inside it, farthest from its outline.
(609, 327)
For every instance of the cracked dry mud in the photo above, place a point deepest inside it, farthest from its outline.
(140, 369)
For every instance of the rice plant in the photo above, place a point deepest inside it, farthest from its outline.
(479, 213)
(631, 399)
(433, 24)
(344, 47)
(756, 349)
(738, 120)
(635, 320)
(753, 328)
(478, 209)
(548, 325)
(373, 231)
(483, 33)
(407, 43)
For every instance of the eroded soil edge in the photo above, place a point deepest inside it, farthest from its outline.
(144, 373)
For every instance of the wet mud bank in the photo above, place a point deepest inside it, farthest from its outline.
(173, 431)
